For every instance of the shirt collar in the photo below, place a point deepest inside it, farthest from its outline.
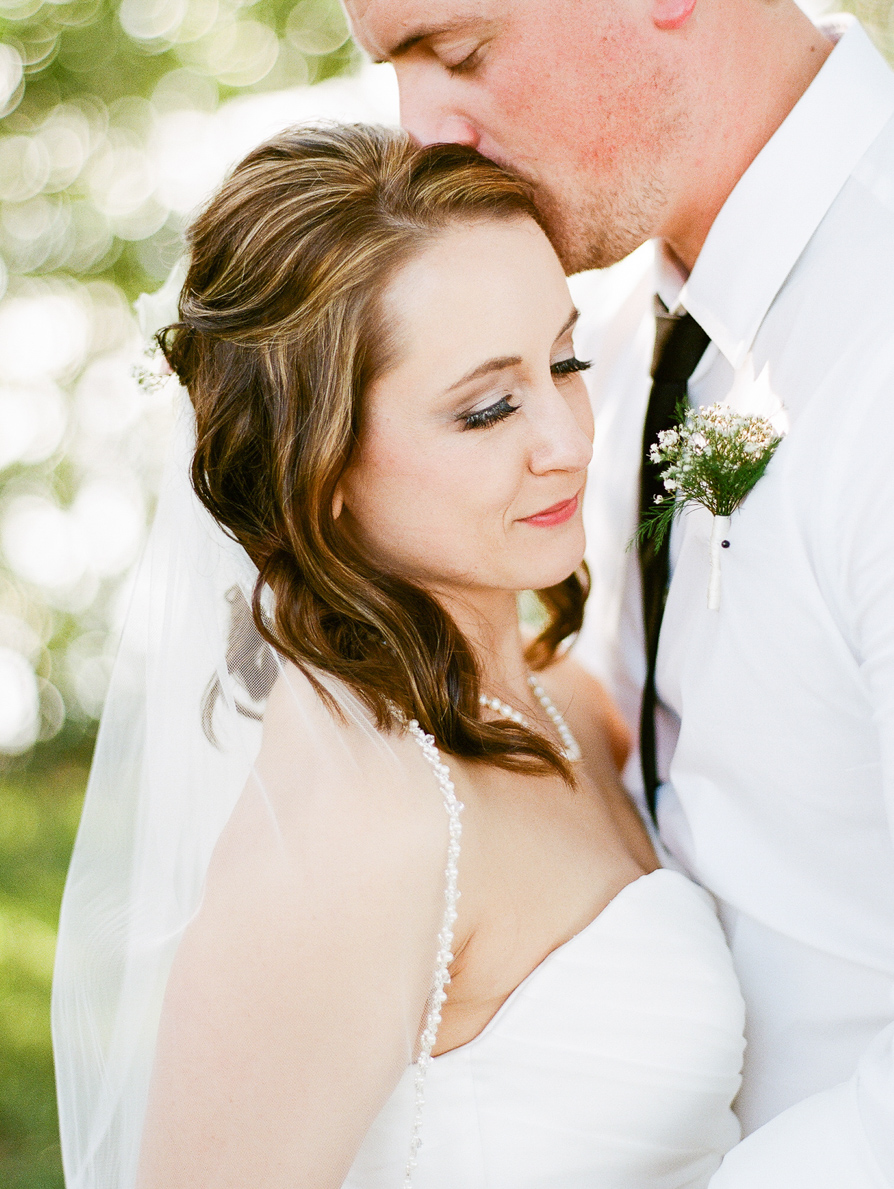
(780, 200)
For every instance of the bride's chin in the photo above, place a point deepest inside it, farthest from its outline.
(557, 570)
(544, 579)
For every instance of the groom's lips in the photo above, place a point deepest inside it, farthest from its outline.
(557, 514)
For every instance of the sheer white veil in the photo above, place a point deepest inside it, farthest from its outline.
(178, 748)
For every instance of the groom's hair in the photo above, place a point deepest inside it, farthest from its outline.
(281, 333)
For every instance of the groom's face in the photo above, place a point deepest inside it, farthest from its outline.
(577, 96)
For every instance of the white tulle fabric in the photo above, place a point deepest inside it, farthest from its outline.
(612, 1066)
(158, 797)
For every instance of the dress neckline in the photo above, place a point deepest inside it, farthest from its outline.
(544, 963)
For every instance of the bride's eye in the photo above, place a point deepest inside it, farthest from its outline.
(480, 419)
(567, 367)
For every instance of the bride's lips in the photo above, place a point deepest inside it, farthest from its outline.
(557, 514)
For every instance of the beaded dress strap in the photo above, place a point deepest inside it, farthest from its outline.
(445, 936)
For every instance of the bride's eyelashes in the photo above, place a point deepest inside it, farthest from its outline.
(566, 367)
(481, 418)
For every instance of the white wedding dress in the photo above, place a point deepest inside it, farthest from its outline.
(611, 1066)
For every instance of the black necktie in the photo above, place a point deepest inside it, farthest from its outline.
(679, 344)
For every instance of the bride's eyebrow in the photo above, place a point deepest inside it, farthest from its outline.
(571, 322)
(502, 362)
(499, 364)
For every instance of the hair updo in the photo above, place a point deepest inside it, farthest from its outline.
(280, 335)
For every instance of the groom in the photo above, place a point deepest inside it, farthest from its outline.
(758, 152)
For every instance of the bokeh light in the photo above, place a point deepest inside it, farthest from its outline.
(19, 702)
(121, 116)
(33, 419)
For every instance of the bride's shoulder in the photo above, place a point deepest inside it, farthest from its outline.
(588, 707)
(324, 762)
(337, 823)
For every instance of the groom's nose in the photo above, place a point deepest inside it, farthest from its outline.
(447, 131)
(427, 124)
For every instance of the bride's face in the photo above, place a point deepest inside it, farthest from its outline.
(470, 469)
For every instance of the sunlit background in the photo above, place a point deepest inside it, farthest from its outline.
(118, 119)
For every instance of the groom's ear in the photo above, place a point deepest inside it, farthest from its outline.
(671, 14)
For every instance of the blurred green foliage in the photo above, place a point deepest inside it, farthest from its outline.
(110, 60)
(108, 142)
(39, 806)
(878, 17)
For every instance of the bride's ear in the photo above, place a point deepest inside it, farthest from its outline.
(671, 14)
(338, 502)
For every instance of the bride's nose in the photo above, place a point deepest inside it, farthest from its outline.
(563, 435)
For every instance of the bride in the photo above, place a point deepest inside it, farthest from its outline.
(357, 880)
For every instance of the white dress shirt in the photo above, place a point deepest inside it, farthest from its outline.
(777, 725)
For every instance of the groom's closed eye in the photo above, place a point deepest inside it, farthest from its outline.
(462, 57)
(452, 42)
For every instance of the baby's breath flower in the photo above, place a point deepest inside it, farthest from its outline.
(713, 458)
(667, 439)
(153, 373)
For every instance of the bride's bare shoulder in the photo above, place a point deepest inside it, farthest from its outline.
(310, 957)
(325, 771)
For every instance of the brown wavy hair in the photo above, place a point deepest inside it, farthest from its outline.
(280, 335)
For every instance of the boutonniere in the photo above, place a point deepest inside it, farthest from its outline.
(714, 458)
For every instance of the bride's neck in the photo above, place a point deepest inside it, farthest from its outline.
(489, 622)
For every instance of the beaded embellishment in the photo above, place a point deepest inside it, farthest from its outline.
(571, 748)
(445, 936)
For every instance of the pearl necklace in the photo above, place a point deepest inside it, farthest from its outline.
(571, 750)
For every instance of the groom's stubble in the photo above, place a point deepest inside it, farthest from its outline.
(592, 228)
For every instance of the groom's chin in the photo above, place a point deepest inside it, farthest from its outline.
(582, 245)
(599, 232)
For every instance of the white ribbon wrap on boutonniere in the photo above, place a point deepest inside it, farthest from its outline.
(713, 458)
